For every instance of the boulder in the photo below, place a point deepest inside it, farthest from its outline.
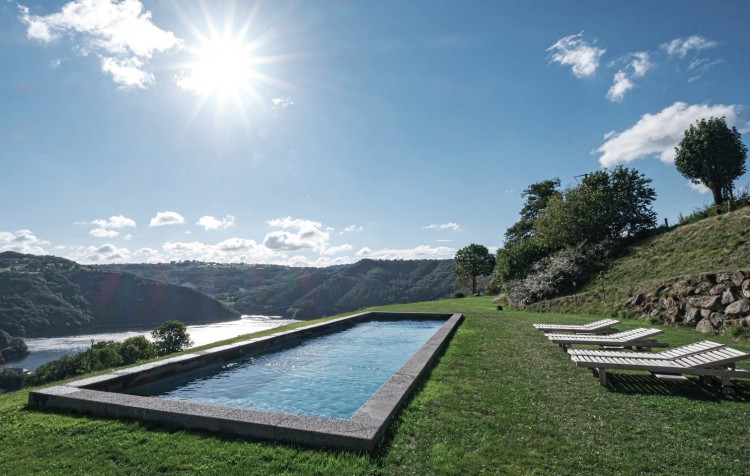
(705, 326)
(692, 315)
(718, 290)
(704, 287)
(636, 300)
(745, 286)
(727, 297)
(724, 278)
(738, 277)
(738, 307)
(717, 319)
(706, 302)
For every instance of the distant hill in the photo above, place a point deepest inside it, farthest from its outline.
(306, 293)
(50, 296)
(714, 244)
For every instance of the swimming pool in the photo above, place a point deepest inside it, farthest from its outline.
(107, 395)
(329, 376)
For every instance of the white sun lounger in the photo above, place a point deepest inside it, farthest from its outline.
(640, 338)
(669, 354)
(713, 364)
(599, 327)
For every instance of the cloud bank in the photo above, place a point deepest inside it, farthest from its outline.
(167, 218)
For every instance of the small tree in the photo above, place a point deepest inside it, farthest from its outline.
(171, 337)
(473, 261)
(712, 154)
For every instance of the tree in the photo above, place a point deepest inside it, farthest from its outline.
(136, 348)
(171, 337)
(473, 261)
(607, 205)
(538, 196)
(712, 154)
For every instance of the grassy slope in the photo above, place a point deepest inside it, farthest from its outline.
(714, 244)
(501, 400)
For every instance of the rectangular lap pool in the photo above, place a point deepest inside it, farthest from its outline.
(335, 384)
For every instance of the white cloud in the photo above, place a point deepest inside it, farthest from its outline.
(621, 85)
(658, 134)
(681, 46)
(282, 102)
(128, 237)
(349, 229)
(210, 223)
(167, 218)
(639, 64)
(332, 250)
(418, 252)
(127, 72)
(307, 235)
(574, 51)
(444, 226)
(698, 187)
(122, 34)
(107, 253)
(103, 233)
(22, 241)
(116, 222)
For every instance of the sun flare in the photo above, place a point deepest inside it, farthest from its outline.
(222, 67)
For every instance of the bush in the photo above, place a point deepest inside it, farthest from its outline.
(171, 337)
(459, 294)
(558, 273)
(739, 332)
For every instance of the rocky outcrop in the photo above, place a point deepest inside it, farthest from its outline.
(710, 302)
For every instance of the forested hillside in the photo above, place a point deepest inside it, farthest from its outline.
(46, 296)
(306, 293)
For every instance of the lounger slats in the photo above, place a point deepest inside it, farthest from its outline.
(669, 354)
(632, 337)
(590, 327)
(714, 359)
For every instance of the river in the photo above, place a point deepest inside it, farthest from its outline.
(46, 349)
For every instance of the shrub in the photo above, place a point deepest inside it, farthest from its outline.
(560, 272)
(171, 337)
(739, 332)
(459, 294)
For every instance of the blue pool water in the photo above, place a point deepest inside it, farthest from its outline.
(328, 376)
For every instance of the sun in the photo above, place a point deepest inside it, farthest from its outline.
(222, 67)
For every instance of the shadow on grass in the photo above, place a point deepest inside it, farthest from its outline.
(630, 384)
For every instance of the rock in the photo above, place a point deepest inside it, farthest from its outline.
(705, 326)
(705, 313)
(717, 319)
(746, 288)
(724, 278)
(727, 297)
(739, 307)
(706, 302)
(692, 315)
(636, 300)
(691, 291)
(707, 278)
(718, 290)
(704, 287)
(738, 277)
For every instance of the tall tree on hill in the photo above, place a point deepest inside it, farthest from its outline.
(712, 154)
(473, 261)
(538, 196)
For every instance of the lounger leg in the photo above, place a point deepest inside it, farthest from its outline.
(602, 377)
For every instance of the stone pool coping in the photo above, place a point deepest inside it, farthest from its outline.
(362, 432)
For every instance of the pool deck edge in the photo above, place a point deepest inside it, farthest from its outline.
(362, 432)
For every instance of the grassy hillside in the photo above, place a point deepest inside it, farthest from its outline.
(719, 243)
(501, 400)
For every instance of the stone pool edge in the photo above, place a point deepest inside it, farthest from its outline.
(362, 432)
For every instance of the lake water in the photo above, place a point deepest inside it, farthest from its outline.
(46, 349)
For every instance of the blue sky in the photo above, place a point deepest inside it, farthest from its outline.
(319, 133)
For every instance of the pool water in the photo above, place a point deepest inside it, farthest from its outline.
(329, 376)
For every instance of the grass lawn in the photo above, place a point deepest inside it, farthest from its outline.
(501, 400)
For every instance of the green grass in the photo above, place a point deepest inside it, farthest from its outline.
(718, 243)
(502, 400)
